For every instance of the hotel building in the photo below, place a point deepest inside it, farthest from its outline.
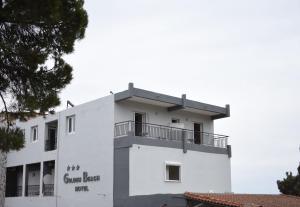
(133, 148)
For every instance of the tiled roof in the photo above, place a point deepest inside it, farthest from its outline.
(245, 200)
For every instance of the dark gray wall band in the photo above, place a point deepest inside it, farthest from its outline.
(177, 102)
(121, 173)
(130, 140)
(229, 151)
(157, 200)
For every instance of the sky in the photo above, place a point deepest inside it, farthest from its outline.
(242, 53)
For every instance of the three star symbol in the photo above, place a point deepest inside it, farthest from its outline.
(73, 167)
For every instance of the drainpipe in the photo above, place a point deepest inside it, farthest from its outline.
(57, 157)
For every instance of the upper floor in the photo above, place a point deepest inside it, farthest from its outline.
(157, 116)
(133, 112)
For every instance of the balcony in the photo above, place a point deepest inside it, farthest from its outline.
(168, 133)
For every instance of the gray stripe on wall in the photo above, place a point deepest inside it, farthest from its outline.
(130, 140)
(157, 200)
(136, 92)
(121, 174)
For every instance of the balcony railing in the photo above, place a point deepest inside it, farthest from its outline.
(33, 190)
(155, 131)
(48, 190)
(50, 144)
(19, 191)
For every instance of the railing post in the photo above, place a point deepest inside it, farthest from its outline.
(131, 128)
(184, 137)
(160, 133)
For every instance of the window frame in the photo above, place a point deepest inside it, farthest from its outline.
(71, 117)
(176, 164)
(34, 128)
(176, 120)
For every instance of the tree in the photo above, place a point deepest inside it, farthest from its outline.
(34, 36)
(291, 184)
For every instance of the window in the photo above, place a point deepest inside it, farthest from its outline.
(51, 135)
(139, 124)
(71, 124)
(34, 133)
(175, 121)
(14, 181)
(173, 172)
(32, 179)
(48, 178)
(23, 132)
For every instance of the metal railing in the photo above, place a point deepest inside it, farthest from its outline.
(19, 191)
(162, 132)
(50, 144)
(48, 189)
(33, 190)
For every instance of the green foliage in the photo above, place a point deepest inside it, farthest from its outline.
(34, 36)
(291, 184)
(11, 139)
(33, 32)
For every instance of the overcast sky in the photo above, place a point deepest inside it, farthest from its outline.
(242, 53)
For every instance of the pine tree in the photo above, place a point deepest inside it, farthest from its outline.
(34, 36)
(291, 184)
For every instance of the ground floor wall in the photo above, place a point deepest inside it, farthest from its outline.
(140, 172)
(199, 171)
(30, 202)
(166, 200)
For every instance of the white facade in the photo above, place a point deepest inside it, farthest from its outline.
(200, 172)
(90, 147)
(86, 169)
(159, 115)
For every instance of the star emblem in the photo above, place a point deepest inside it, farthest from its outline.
(68, 168)
(73, 168)
(77, 167)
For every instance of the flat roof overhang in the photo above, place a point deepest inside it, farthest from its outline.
(171, 103)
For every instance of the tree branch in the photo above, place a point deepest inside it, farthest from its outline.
(28, 22)
(6, 111)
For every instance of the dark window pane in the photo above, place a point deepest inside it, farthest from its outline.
(70, 124)
(174, 172)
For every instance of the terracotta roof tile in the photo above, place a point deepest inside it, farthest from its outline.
(245, 200)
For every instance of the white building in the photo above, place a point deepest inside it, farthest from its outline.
(132, 148)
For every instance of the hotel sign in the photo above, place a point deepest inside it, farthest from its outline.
(82, 180)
